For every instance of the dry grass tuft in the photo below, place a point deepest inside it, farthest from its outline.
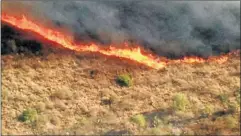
(40, 107)
(55, 120)
(63, 93)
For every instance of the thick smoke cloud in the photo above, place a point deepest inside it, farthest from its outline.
(171, 28)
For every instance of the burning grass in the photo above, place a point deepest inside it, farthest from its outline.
(131, 52)
(77, 93)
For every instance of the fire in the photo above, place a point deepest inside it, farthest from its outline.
(135, 53)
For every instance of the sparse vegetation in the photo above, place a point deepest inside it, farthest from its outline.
(180, 102)
(233, 107)
(231, 122)
(62, 92)
(209, 109)
(223, 98)
(50, 89)
(124, 80)
(157, 122)
(29, 115)
(83, 121)
(139, 119)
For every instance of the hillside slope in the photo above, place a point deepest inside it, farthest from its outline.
(77, 94)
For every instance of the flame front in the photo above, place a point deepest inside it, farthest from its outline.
(135, 53)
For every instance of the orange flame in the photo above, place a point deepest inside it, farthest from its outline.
(134, 53)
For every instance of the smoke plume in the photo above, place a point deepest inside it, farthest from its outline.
(168, 28)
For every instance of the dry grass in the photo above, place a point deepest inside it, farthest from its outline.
(72, 99)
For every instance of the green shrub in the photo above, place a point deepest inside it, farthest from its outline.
(233, 107)
(223, 98)
(180, 102)
(139, 119)
(124, 80)
(29, 115)
(208, 109)
(231, 122)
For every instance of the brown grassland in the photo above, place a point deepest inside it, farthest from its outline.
(76, 93)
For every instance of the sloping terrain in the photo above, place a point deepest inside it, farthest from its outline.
(50, 90)
(76, 93)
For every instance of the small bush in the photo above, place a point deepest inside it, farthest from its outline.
(180, 102)
(139, 119)
(124, 80)
(231, 122)
(223, 98)
(233, 107)
(29, 115)
(208, 109)
(157, 122)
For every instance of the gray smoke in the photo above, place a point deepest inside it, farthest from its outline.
(168, 28)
